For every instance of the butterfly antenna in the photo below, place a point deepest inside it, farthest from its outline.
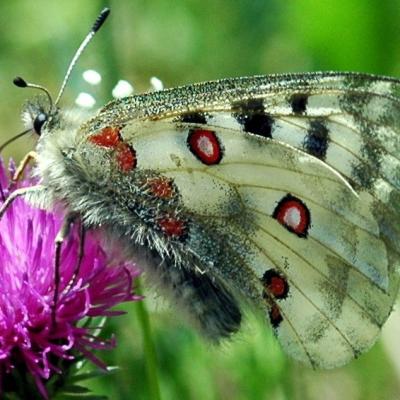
(96, 26)
(22, 83)
(6, 143)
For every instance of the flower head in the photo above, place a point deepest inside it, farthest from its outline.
(36, 338)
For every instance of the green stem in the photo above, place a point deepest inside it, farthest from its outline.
(149, 347)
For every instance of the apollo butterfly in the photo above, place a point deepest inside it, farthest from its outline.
(282, 189)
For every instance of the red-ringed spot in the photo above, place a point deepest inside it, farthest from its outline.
(107, 137)
(275, 284)
(275, 316)
(160, 187)
(126, 157)
(293, 214)
(205, 145)
(173, 227)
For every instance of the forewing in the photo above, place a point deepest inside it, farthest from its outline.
(348, 120)
(288, 186)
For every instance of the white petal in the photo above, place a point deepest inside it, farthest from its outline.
(85, 100)
(91, 76)
(156, 84)
(122, 89)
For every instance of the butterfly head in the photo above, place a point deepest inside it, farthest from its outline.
(39, 113)
(36, 116)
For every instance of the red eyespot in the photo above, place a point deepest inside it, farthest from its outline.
(205, 145)
(275, 284)
(126, 157)
(107, 137)
(292, 213)
(275, 316)
(161, 187)
(110, 137)
(173, 227)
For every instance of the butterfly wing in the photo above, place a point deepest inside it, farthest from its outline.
(348, 120)
(283, 186)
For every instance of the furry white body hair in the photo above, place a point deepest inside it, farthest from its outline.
(67, 185)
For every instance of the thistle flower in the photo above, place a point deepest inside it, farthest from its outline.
(32, 347)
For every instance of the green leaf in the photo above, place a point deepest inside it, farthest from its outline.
(75, 389)
(71, 396)
(92, 374)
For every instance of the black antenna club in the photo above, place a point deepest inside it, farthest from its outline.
(100, 19)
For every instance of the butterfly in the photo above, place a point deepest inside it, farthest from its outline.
(281, 191)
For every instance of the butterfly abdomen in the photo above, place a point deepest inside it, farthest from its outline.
(205, 300)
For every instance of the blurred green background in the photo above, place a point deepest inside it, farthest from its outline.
(182, 42)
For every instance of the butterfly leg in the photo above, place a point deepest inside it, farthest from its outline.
(20, 193)
(82, 236)
(31, 156)
(62, 234)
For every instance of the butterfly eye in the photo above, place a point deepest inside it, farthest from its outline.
(40, 119)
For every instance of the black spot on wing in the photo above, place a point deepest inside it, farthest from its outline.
(250, 106)
(193, 117)
(298, 102)
(260, 125)
(275, 316)
(251, 115)
(317, 139)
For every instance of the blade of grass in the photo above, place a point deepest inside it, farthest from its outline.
(149, 347)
